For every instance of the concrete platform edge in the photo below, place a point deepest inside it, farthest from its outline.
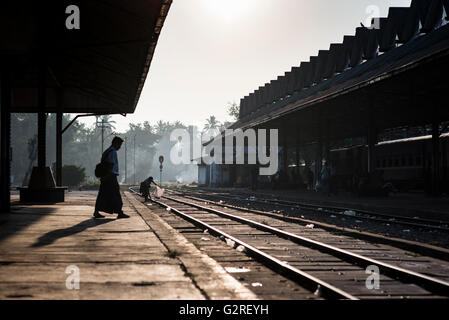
(208, 275)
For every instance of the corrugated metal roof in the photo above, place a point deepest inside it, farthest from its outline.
(100, 68)
(397, 58)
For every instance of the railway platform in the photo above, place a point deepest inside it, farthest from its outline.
(403, 204)
(58, 251)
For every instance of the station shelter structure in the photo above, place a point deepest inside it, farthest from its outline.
(388, 77)
(82, 57)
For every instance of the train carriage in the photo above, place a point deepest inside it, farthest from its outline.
(405, 162)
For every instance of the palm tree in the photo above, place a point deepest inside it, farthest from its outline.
(234, 110)
(211, 124)
(161, 127)
(105, 122)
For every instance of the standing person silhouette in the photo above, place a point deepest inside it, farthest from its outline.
(109, 199)
(325, 179)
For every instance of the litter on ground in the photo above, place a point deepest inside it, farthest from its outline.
(241, 249)
(237, 270)
(230, 243)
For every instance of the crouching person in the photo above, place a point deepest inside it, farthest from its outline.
(145, 188)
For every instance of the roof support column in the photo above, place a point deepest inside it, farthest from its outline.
(284, 128)
(254, 168)
(298, 147)
(435, 153)
(59, 142)
(5, 128)
(319, 152)
(42, 185)
(445, 180)
(41, 121)
(299, 181)
(326, 140)
(371, 140)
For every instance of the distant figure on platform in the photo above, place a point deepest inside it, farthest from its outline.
(109, 199)
(355, 182)
(145, 188)
(333, 183)
(325, 179)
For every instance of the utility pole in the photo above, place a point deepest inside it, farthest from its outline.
(102, 135)
(135, 157)
(102, 124)
(126, 149)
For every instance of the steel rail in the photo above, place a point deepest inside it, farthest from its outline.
(298, 205)
(362, 211)
(412, 220)
(400, 243)
(432, 284)
(308, 281)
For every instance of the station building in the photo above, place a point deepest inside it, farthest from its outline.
(376, 102)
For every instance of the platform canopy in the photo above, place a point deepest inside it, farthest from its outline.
(385, 76)
(99, 68)
(400, 88)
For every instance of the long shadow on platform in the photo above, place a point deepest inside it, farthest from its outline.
(52, 236)
(20, 217)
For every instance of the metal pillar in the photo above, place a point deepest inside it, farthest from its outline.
(126, 152)
(298, 148)
(371, 138)
(59, 142)
(102, 135)
(319, 155)
(426, 170)
(5, 129)
(318, 160)
(444, 167)
(41, 120)
(435, 157)
(42, 183)
(326, 141)
(134, 158)
(160, 175)
(284, 146)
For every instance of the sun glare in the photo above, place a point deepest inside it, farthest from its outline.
(228, 9)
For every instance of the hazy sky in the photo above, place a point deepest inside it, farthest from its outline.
(212, 52)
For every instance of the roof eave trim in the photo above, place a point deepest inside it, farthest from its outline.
(165, 7)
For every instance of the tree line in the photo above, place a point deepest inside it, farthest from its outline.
(81, 147)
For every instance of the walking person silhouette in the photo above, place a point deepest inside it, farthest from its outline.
(109, 199)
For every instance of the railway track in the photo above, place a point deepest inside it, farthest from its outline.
(417, 248)
(357, 214)
(332, 266)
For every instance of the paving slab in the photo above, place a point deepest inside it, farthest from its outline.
(210, 276)
(46, 249)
